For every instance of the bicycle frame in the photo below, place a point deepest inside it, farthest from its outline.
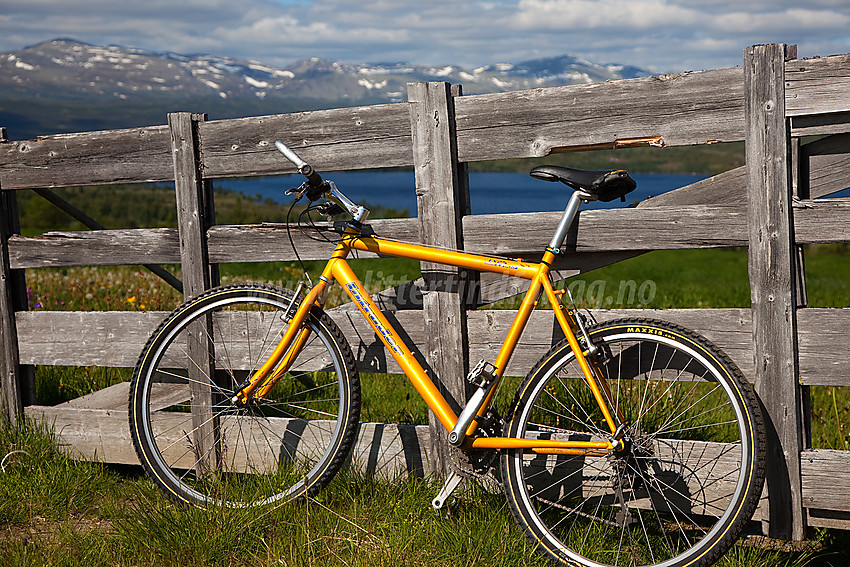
(338, 269)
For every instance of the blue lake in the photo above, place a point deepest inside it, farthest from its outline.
(489, 192)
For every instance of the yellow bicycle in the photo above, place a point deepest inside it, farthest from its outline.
(633, 442)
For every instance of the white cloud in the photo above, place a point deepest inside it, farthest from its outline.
(666, 35)
(794, 20)
(581, 15)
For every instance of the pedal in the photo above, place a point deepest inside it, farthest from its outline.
(448, 488)
(482, 374)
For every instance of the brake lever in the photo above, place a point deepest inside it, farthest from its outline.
(297, 191)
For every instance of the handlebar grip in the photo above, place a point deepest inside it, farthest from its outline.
(313, 178)
(290, 155)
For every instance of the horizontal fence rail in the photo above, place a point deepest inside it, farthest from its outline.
(680, 109)
(671, 110)
(518, 234)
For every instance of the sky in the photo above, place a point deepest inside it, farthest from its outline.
(660, 35)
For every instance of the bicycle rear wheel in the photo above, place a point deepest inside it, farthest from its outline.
(198, 445)
(691, 471)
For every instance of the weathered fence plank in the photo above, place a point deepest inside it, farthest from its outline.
(772, 282)
(89, 158)
(538, 122)
(331, 140)
(96, 248)
(603, 231)
(727, 188)
(691, 226)
(820, 124)
(822, 222)
(270, 242)
(115, 338)
(817, 86)
(385, 450)
(822, 346)
(11, 391)
(191, 204)
(85, 338)
(440, 206)
(826, 484)
(192, 218)
(730, 329)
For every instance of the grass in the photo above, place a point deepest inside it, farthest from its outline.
(57, 511)
(356, 521)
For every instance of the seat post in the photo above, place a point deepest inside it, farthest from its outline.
(567, 220)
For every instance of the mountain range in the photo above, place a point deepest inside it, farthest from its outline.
(65, 85)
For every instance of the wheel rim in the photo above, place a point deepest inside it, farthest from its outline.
(268, 450)
(670, 493)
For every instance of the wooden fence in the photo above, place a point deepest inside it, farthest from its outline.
(773, 205)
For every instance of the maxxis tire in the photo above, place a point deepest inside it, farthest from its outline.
(643, 505)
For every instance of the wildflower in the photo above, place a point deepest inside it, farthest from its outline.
(130, 300)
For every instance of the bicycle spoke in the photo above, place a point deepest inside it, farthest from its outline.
(668, 485)
(267, 449)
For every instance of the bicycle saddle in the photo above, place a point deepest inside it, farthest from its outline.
(604, 185)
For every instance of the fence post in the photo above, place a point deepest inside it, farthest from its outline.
(773, 282)
(441, 204)
(17, 382)
(194, 206)
(11, 401)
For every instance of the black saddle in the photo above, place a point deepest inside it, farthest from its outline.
(604, 185)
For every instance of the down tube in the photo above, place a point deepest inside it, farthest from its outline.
(402, 355)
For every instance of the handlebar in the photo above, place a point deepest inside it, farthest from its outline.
(316, 187)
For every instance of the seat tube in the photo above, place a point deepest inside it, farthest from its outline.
(567, 219)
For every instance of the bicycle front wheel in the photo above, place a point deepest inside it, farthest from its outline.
(690, 469)
(203, 447)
